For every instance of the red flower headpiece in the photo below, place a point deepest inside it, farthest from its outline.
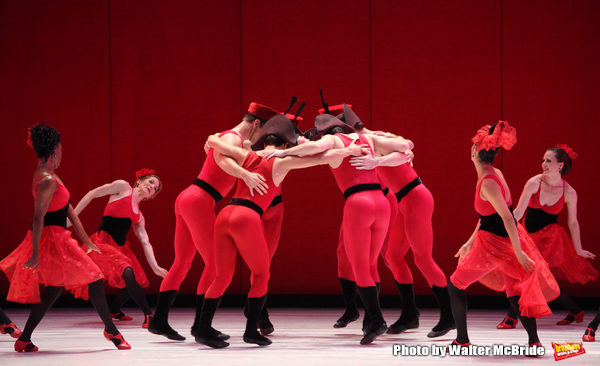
(503, 136)
(143, 172)
(29, 142)
(572, 154)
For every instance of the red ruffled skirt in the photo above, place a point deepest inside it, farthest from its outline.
(559, 252)
(495, 255)
(62, 264)
(113, 260)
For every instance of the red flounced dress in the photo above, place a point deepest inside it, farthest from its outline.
(494, 254)
(62, 262)
(553, 242)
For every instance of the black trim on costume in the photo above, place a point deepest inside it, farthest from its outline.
(56, 218)
(386, 191)
(276, 200)
(407, 188)
(247, 203)
(360, 188)
(116, 227)
(537, 219)
(493, 223)
(209, 189)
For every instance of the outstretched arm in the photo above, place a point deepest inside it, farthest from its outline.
(387, 145)
(254, 181)
(140, 231)
(236, 153)
(368, 161)
(105, 190)
(571, 200)
(307, 148)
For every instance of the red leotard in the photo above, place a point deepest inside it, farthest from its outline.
(411, 229)
(194, 225)
(62, 263)
(240, 228)
(492, 262)
(556, 246)
(365, 219)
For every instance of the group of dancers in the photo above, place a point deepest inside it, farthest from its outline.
(387, 211)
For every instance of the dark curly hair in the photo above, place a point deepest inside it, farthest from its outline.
(562, 157)
(488, 156)
(44, 139)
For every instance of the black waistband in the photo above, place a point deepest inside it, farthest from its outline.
(209, 189)
(276, 200)
(537, 219)
(494, 224)
(56, 218)
(385, 191)
(360, 188)
(407, 188)
(116, 227)
(247, 203)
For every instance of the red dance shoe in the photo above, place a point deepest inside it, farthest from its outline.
(539, 344)
(21, 346)
(506, 325)
(118, 340)
(589, 335)
(455, 343)
(570, 318)
(120, 316)
(147, 320)
(10, 329)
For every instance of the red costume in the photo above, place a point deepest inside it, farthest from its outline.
(195, 222)
(553, 242)
(492, 261)
(62, 263)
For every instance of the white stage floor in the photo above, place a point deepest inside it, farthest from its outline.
(301, 337)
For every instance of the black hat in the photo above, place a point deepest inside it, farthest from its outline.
(350, 117)
(326, 122)
(280, 126)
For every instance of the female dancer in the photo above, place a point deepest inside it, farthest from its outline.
(48, 254)
(236, 225)
(8, 327)
(543, 197)
(366, 211)
(116, 260)
(499, 253)
(411, 229)
(195, 220)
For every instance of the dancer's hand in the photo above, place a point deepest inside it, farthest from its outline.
(586, 254)
(269, 154)
(161, 272)
(527, 263)
(91, 247)
(255, 182)
(357, 150)
(463, 251)
(32, 262)
(410, 156)
(364, 162)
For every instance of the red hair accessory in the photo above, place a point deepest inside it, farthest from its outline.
(503, 136)
(572, 154)
(143, 172)
(29, 142)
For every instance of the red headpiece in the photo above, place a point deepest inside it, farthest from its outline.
(29, 142)
(143, 172)
(503, 136)
(261, 112)
(572, 154)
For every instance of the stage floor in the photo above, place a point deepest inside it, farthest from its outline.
(301, 337)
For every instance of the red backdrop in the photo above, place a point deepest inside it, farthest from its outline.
(143, 83)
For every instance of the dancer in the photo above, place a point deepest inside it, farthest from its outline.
(237, 224)
(499, 253)
(366, 211)
(7, 326)
(49, 255)
(543, 198)
(411, 228)
(117, 261)
(195, 219)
